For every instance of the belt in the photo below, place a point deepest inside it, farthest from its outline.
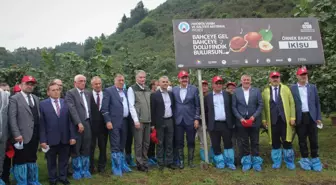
(87, 119)
(167, 118)
(125, 118)
(305, 112)
(220, 121)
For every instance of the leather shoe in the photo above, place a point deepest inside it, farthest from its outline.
(64, 182)
(142, 168)
(172, 166)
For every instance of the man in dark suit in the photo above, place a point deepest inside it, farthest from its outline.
(24, 115)
(98, 127)
(78, 101)
(220, 123)
(308, 117)
(56, 133)
(247, 106)
(162, 106)
(187, 115)
(116, 115)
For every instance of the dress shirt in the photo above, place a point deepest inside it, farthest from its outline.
(167, 102)
(183, 93)
(273, 93)
(124, 102)
(303, 91)
(100, 97)
(246, 95)
(54, 104)
(219, 106)
(85, 102)
(25, 95)
(131, 102)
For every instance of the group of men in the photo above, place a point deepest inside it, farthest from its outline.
(68, 126)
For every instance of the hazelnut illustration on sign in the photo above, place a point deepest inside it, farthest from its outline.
(258, 40)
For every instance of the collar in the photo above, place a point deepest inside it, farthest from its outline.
(302, 85)
(185, 87)
(94, 92)
(214, 93)
(275, 87)
(166, 91)
(247, 89)
(53, 100)
(79, 91)
(24, 94)
(142, 87)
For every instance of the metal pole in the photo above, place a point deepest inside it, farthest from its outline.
(199, 74)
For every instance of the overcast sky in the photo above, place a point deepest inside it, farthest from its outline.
(46, 23)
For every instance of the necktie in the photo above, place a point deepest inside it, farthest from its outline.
(276, 94)
(30, 103)
(98, 100)
(57, 108)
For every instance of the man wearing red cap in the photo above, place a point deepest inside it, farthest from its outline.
(279, 117)
(24, 118)
(187, 115)
(230, 87)
(4, 95)
(220, 123)
(16, 89)
(247, 106)
(308, 117)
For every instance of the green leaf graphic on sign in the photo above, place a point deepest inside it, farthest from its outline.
(266, 34)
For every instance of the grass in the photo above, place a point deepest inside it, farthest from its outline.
(213, 176)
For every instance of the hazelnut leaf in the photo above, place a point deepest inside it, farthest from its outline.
(266, 34)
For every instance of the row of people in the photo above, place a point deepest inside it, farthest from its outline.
(70, 127)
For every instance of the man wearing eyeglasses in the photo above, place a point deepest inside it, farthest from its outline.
(279, 117)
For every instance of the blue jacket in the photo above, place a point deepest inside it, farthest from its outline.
(254, 108)
(189, 109)
(53, 129)
(112, 107)
(313, 102)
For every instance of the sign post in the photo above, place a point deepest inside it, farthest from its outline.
(199, 76)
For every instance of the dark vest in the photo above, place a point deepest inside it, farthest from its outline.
(277, 109)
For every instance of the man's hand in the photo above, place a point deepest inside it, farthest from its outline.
(80, 127)
(152, 127)
(196, 124)
(43, 145)
(19, 139)
(252, 118)
(265, 125)
(137, 125)
(109, 125)
(242, 120)
(72, 141)
(319, 122)
(292, 122)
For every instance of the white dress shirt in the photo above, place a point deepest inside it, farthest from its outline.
(303, 91)
(183, 93)
(124, 102)
(219, 106)
(131, 102)
(54, 104)
(85, 102)
(273, 93)
(100, 98)
(26, 98)
(167, 102)
(246, 95)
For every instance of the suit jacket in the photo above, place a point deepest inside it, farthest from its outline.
(210, 111)
(76, 105)
(313, 102)
(158, 107)
(55, 130)
(189, 109)
(21, 119)
(112, 107)
(4, 101)
(97, 119)
(253, 108)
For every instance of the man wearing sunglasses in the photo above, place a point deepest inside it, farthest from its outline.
(279, 117)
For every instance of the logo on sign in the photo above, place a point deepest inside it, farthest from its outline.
(307, 27)
(198, 62)
(184, 27)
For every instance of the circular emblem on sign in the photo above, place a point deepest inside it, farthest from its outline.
(184, 27)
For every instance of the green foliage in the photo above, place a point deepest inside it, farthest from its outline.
(148, 27)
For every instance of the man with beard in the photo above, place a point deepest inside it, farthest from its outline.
(24, 115)
(279, 117)
(187, 116)
(308, 119)
(139, 105)
(247, 106)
